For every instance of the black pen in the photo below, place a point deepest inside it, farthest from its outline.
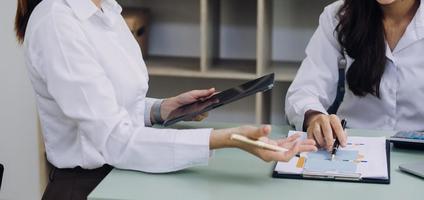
(337, 143)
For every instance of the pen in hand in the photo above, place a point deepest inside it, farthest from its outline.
(337, 142)
(258, 144)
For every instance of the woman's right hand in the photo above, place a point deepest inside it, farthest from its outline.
(221, 139)
(324, 129)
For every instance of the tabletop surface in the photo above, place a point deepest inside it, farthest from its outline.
(233, 174)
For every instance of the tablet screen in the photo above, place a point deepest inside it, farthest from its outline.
(187, 112)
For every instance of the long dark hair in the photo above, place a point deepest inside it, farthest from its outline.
(361, 34)
(23, 12)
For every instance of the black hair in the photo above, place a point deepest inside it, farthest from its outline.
(360, 32)
(23, 12)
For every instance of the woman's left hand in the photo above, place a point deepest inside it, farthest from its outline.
(170, 104)
(222, 139)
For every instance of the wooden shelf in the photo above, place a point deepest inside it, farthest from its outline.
(190, 67)
(238, 69)
(284, 71)
(172, 66)
(204, 44)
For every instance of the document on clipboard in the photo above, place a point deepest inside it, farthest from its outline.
(364, 159)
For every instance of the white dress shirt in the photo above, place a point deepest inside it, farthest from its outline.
(401, 104)
(90, 82)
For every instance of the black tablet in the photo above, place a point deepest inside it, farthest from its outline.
(189, 111)
(408, 140)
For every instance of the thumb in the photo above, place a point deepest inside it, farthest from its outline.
(263, 131)
(203, 93)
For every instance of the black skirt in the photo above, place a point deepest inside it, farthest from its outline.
(73, 184)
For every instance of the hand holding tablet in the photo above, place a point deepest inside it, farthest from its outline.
(189, 111)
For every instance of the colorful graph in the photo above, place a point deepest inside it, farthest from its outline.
(345, 161)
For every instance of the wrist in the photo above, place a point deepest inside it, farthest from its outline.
(221, 139)
(166, 107)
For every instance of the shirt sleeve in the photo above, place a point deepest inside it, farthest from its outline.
(315, 85)
(148, 109)
(85, 94)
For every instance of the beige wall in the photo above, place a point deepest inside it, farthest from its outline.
(19, 141)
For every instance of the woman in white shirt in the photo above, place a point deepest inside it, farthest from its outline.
(382, 42)
(90, 83)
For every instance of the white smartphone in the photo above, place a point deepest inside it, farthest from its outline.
(416, 169)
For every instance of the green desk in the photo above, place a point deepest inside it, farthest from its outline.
(233, 174)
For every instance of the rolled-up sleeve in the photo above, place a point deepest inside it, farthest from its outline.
(106, 132)
(315, 85)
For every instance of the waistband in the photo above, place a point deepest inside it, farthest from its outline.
(78, 172)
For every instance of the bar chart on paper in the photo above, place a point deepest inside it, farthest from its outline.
(345, 161)
(364, 156)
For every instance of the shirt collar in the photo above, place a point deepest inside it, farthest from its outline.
(84, 9)
(113, 5)
(414, 32)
